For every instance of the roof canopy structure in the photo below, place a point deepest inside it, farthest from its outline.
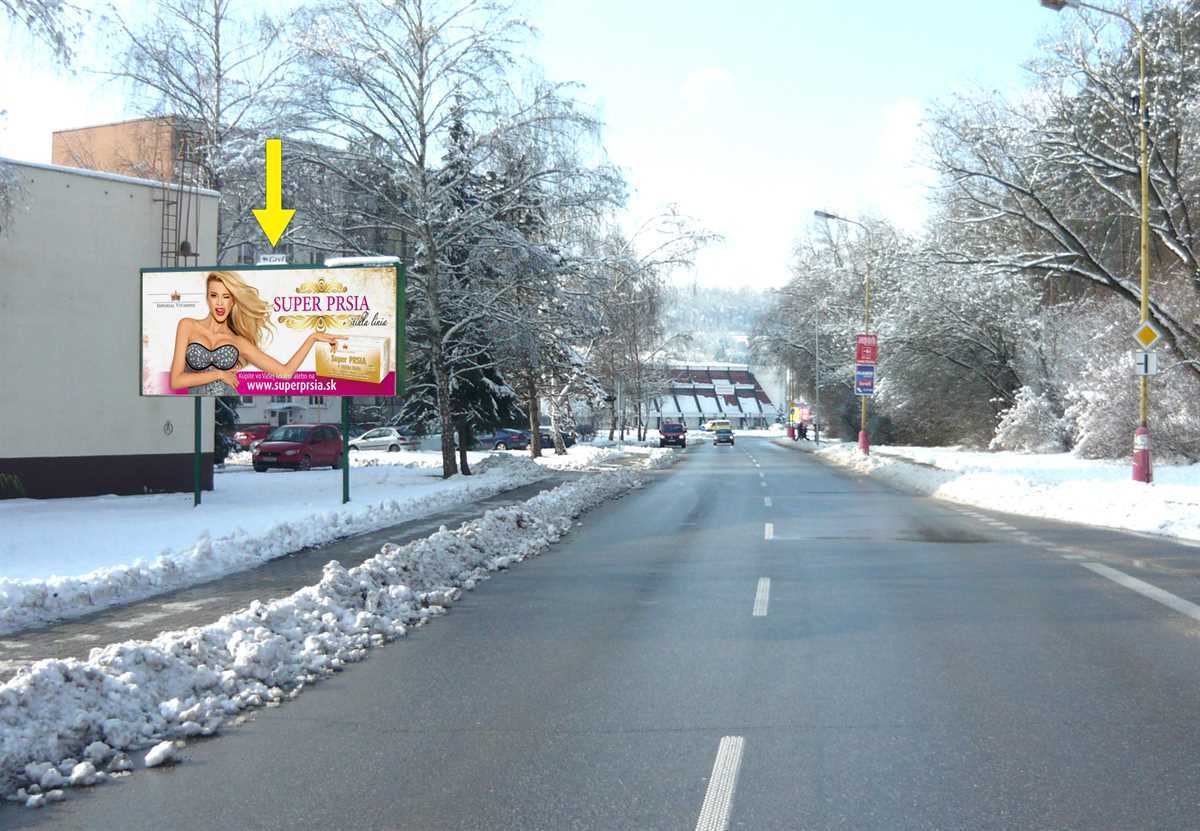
(700, 392)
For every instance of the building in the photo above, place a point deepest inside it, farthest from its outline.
(74, 422)
(700, 392)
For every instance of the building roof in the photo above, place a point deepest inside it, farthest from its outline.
(111, 177)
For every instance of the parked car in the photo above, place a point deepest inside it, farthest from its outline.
(672, 433)
(300, 447)
(247, 434)
(713, 425)
(723, 436)
(384, 438)
(548, 438)
(505, 438)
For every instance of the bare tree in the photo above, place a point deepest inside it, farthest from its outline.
(387, 81)
(220, 75)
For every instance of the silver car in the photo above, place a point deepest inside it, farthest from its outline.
(383, 438)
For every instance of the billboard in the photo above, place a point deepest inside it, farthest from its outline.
(239, 330)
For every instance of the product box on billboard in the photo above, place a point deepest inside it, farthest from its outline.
(357, 358)
(223, 331)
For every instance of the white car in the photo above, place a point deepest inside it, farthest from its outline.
(383, 438)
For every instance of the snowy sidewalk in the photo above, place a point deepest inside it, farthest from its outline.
(1050, 486)
(202, 604)
(62, 558)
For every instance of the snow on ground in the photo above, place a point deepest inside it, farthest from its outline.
(63, 558)
(1054, 486)
(66, 557)
(146, 694)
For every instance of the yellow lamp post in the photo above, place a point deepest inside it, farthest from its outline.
(1142, 470)
(864, 439)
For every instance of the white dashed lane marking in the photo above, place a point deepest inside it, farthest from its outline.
(718, 798)
(767, 501)
(762, 597)
(769, 531)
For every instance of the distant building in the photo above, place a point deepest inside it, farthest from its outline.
(700, 392)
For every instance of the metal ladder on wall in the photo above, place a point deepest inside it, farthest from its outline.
(180, 226)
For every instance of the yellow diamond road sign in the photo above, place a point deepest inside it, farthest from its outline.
(1147, 334)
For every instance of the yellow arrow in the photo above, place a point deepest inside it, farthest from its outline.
(274, 219)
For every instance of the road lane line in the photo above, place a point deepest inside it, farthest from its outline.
(1074, 557)
(769, 531)
(767, 501)
(762, 597)
(762, 483)
(1184, 607)
(718, 798)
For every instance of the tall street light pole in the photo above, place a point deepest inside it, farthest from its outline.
(864, 439)
(1142, 469)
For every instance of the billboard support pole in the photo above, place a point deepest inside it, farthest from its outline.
(345, 450)
(196, 455)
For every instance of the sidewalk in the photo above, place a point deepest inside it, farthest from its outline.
(204, 603)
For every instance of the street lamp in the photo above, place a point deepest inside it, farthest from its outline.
(1142, 471)
(864, 440)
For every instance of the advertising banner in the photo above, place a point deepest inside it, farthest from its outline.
(864, 379)
(234, 330)
(866, 349)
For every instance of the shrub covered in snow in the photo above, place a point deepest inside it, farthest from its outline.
(1034, 424)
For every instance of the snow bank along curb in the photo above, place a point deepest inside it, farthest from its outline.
(63, 721)
(25, 603)
(1171, 510)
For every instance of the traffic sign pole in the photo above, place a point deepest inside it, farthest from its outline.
(1147, 335)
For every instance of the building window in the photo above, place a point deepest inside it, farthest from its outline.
(316, 401)
(280, 399)
(247, 399)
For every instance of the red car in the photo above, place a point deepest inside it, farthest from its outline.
(247, 434)
(672, 433)
(300, 447)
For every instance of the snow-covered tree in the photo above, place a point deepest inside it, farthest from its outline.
(220, 73)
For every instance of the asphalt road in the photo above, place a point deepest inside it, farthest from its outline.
(868, 660)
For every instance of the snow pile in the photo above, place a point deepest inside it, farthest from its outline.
(25, 602)
(1053, 486)
(141, 694)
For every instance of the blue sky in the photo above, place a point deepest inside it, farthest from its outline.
(748, 118)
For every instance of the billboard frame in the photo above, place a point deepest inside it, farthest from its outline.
(401, 347)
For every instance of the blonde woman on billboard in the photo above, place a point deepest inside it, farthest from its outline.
(209, 351)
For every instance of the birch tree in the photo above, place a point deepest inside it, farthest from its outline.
(221, 74)
(387, 80)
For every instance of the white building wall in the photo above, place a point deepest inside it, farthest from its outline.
(70, 304)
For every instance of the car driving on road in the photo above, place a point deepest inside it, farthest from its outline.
(723, 436)
(672, 433)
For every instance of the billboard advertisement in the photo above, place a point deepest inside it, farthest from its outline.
(237, 330)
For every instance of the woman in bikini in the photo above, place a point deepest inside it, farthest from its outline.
(208, 352)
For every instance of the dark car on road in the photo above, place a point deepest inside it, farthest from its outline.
(671, 433)
(723, 436)
(300, 447)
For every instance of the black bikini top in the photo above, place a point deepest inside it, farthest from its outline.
(199, 357)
